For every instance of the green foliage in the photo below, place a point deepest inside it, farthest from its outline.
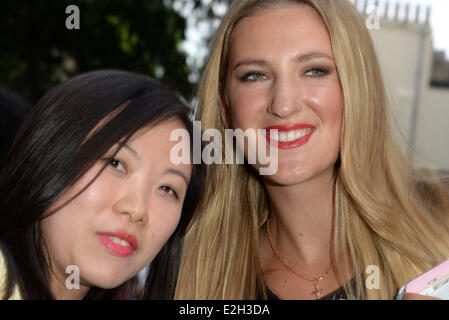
(38, 51)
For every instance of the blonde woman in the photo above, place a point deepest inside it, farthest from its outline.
(344, 204)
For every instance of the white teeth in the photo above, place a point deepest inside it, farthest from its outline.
(283, 137)
(119, 241)
(302, 133)
(291, 135)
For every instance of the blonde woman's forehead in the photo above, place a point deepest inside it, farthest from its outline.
(267, 32)
(264, 7)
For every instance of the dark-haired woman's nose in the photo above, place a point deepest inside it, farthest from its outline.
(134, 205)
(285, 98)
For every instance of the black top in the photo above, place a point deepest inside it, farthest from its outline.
(338, 294)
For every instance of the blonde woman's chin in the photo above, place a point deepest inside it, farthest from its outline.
(291, 174)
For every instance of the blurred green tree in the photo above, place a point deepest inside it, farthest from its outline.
(38, 51)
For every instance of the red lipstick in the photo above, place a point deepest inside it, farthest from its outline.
(302, 139)
(121, 250)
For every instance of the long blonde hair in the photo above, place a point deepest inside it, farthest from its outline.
(386, 213)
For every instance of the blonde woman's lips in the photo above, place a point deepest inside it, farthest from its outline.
(289, 136)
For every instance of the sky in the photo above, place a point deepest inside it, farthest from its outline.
(439, 20)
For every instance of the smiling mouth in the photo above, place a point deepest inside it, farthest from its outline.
(289, 137)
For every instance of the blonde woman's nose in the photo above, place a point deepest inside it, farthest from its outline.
(285, 98)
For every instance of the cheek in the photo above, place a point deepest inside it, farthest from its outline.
(329, 107)
(97, 197)
(163, 221)
(92, 202)
(62, 232)
(332, 119)
(54, 230)
(63, 227)
(71, 218)
(246, 106)
(335, 118)
(98, 191)
(169, 220)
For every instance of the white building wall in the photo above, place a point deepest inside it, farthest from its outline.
(397, 44)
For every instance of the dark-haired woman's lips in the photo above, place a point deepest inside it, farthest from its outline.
(118, 243)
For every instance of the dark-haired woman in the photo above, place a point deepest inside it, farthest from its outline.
(89, 195)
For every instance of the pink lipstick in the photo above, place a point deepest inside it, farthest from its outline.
(118, 243)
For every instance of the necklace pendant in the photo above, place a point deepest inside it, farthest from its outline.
(317, 292)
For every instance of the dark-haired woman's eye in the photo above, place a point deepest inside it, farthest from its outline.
(317, 72)
(116, 164)
(170, 191)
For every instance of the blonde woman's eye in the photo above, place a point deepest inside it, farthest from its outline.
(170, 191)
(317, 72)
(252, 76)
(116, 164)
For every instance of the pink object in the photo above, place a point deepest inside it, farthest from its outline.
(434, 283)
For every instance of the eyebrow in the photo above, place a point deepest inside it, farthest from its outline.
(312, 55)
(300, 58)
(178, 173)
(134, 152)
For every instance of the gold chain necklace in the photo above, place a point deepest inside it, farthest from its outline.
(317, 291)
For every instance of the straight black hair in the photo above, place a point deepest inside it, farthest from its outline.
(57, 143)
